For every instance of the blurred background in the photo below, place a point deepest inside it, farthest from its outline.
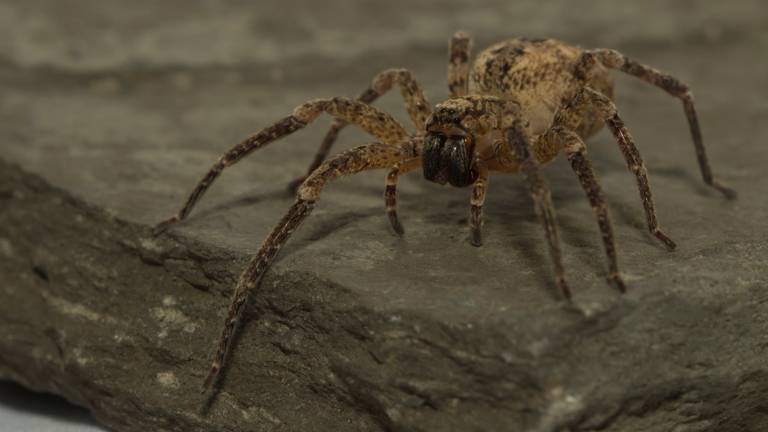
(146, 94)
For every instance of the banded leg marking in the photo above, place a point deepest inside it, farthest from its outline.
(390, 192)
(415, 103)
(352, 161)
(674, 87)
(375, 122)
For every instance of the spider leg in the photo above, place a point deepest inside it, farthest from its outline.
(479, 189)
(519, 142)
(568, 117)
(390, 191)
(616, 60)
(577, 156)
(415, 103)
(375, 122)
(376, 155)
(458, 64)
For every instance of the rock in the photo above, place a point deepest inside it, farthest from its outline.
(104, 133)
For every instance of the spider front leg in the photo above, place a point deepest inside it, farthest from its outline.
(519, 143)
(674, 87)
(375, 122)
(390, 191)
(479, 189)
(415, 103)
(373, 156)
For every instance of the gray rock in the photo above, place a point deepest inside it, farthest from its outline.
(109, 113)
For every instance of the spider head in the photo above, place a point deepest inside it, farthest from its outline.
(448, 158)
(450, 143)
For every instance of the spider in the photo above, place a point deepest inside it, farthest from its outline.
(524, 102)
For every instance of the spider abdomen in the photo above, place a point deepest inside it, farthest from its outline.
(537, 73)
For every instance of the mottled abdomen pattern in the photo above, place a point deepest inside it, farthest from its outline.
(537, 73)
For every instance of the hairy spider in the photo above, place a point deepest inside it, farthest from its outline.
(523, 103)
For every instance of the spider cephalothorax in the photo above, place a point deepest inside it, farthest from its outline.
(450, 143)
(529, 100)
(461, 134)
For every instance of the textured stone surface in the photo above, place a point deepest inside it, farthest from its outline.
(110, 112)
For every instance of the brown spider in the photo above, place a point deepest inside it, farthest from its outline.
(527, 101)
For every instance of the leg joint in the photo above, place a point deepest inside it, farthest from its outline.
(383, 82)
(310, 110)
(609, 58)
(574, 144)
(310, 190)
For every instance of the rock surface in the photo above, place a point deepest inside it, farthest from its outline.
(110, 111)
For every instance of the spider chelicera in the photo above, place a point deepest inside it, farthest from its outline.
(523, 103)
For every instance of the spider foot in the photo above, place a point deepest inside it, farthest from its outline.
(564, 288)
(476, 238)
(293, 186)
(725, 190)
(162, 226)
(616, 280)
(671, 245)
(210, 380)
(395, 222)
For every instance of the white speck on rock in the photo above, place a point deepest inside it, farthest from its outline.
(169, 301)
(266, 415)
(168, 379)
(150, 245)
(564, 407)
(79, 357)
(169, 316)
(394, 414)
(121, 337)
(172, 319)
(6, 247)
(76, 309)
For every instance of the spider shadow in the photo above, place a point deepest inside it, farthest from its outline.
(509, 201)
(519, 207)
(627, 209)
(325, 225)
(321, 227)
(238, 202)
(695, 183)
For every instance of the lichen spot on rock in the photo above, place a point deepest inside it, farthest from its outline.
(6, 248)
(168, 379)
(171, 318)
(169, 301)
